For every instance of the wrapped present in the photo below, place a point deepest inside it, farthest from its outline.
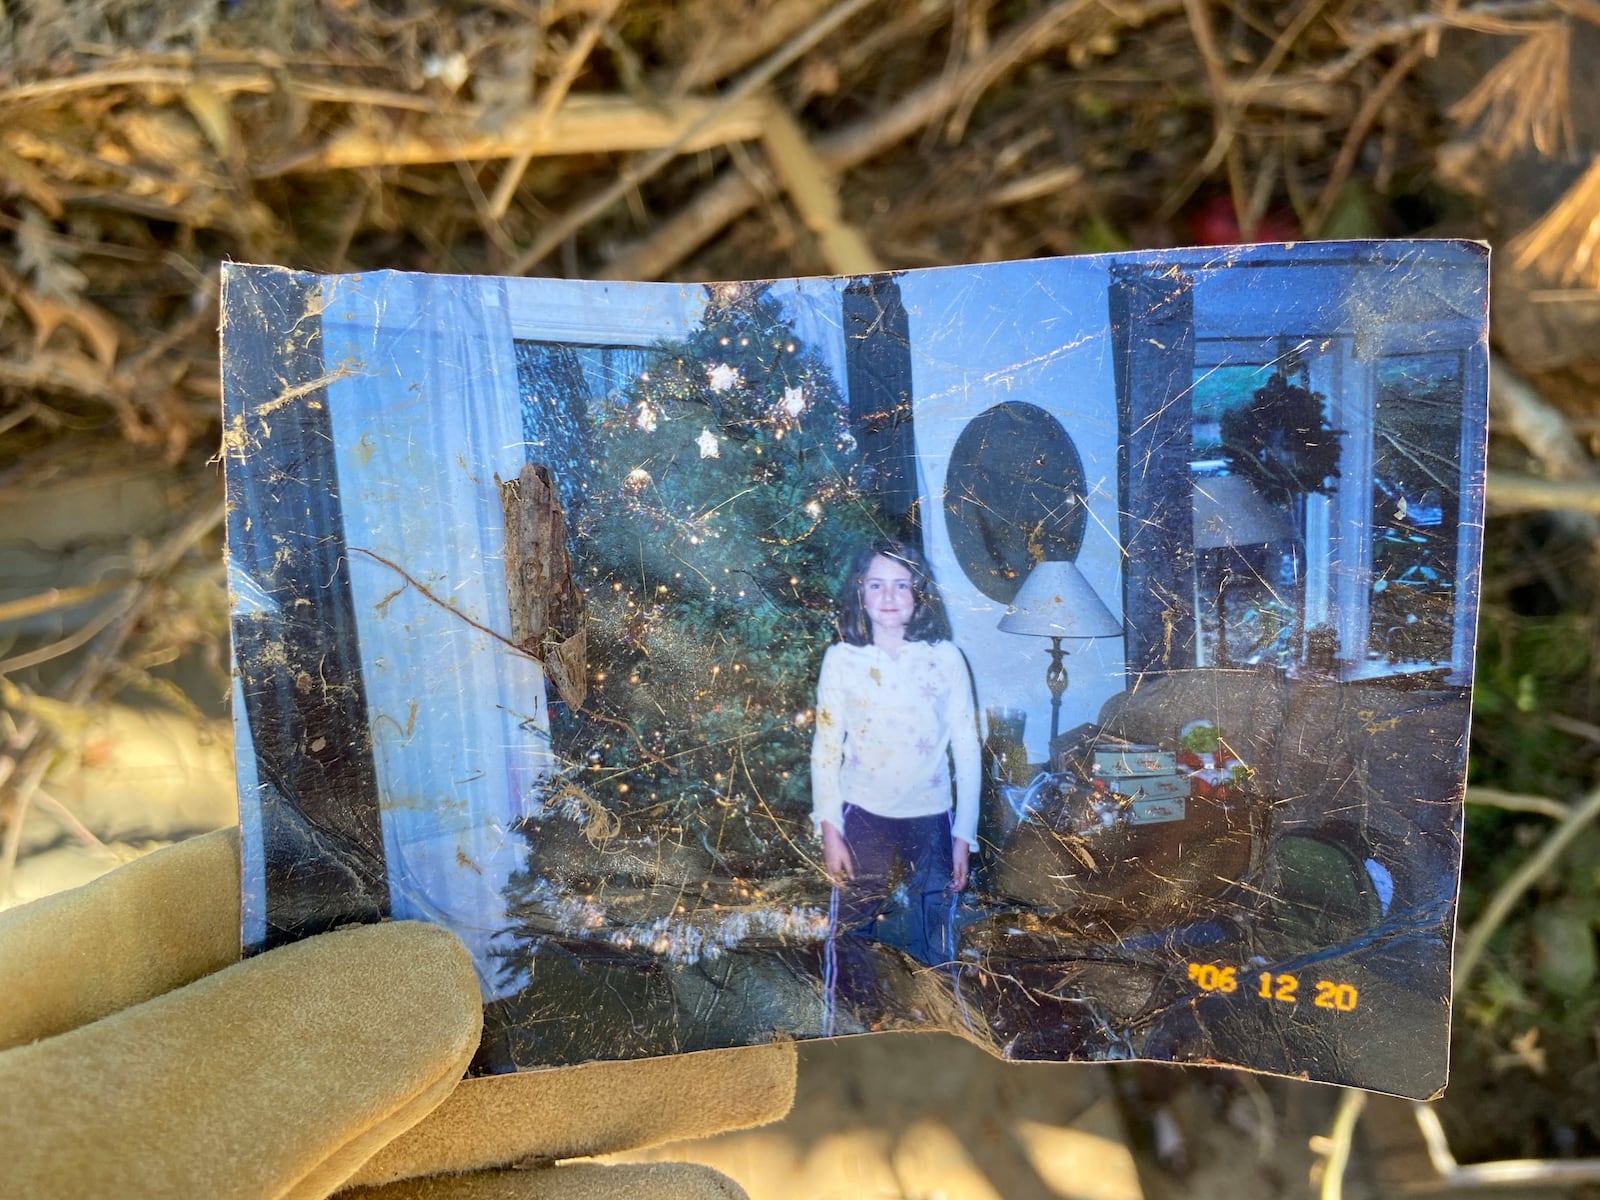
(1213, 768)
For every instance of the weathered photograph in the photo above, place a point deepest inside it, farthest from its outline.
(1074, 655)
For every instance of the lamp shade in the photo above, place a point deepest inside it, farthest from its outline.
(1228, 511)
(1057, 601)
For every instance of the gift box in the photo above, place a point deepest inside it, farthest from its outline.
(1155, 811)
(1155, 787)
(1121, 762)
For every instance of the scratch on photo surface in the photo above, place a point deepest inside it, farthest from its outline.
(289, 395)
(405, 730)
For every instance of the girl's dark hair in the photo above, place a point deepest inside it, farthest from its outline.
(928, 621)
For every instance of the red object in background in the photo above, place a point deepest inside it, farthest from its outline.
(1214, 223)
(1211, 774)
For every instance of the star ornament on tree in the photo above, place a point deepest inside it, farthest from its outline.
(722, 377)
(786, 410)
(709, 446)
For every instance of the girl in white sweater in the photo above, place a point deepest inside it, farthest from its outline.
(895, 727)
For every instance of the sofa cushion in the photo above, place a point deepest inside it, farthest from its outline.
(1385, 759)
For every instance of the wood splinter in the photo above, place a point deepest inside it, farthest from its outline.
(547, 619)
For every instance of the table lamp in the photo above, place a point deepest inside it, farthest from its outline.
(1229, 513)
(1056, 602)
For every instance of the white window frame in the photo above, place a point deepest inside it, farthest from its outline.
(588, 314)
(1337, 582)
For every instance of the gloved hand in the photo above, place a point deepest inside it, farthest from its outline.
(140, 1057)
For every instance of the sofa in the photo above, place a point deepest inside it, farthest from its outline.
(1350, 808)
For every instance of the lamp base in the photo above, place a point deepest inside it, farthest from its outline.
(1055, 678)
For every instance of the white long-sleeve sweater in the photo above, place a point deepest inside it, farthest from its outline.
(888, 727)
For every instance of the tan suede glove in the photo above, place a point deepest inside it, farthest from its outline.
(140, 1057)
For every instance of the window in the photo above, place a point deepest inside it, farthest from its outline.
(562, 388)
(1416, 498)
(1248, 552)
(1367, 575)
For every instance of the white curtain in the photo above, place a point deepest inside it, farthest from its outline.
(425, 415)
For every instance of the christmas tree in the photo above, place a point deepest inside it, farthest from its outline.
(727, 497)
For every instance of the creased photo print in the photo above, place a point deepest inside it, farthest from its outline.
(1072, 655)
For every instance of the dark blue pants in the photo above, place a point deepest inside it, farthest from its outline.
(905, 855)
(900, 896)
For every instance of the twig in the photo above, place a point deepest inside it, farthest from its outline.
(815, 194)
(370, 97)
(1286, 41)
(585, 124)
(1222, 112)
(964, 21)
(1371, 106)
(487, 221)
(1517, 802)
(904, 24)
(1573, 822)
(1537, 424)
(1542, 428)
(714, 209)
(1526, 97)
(1293, 94)
(202, 521)
(1340, 1137)
(1587, 730)
(737, 48)
(1262, 87)
(81, 636)
(23, 412)
(555, 92)
(21, 796)
(74, 826)
(1430, 40)
(1051, 181)
(1503, 17)
(1221, 146)
(1563, 242)
(16, 747)
(731, 195)
(573, 63)
(27, 757)
(57, 598)
(1509, 1172)
(252, 79)
(1511, 492)
(70, 374)
(1506, 896)
(1032, 40)
(633, 174)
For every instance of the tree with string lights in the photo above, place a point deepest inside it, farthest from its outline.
(728, 495)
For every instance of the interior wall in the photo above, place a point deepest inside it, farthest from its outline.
(1033, 332)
